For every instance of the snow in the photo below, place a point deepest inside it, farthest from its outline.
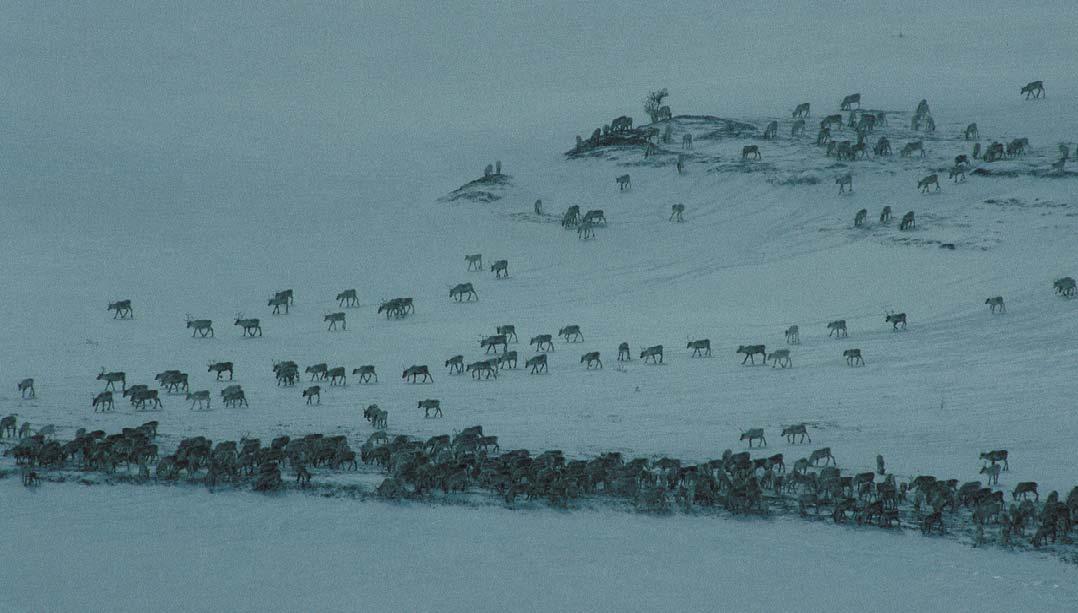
(196, 159)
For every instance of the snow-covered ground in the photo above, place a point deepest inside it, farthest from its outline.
(195, 160)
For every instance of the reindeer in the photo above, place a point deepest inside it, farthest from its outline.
(313, 392)
(680, 164)
(110, 379)
(277, 302)
(250, 326)
(594, 216)
(907, 222)
(376, 416)
(133, 391)
(348, 298)
(822, 454)
(317, 371)
(780, 357)
(492, 342)
(536, 363)
(793, 335)
(571, 217)
(509, 331)
(750, 150)
(571, 332)
(220, 368)
(896, 319)
(624, 182)
(462, 291)
(122, 308)
(823, 136)
(753, 434)
(859, 218)
(853, 357)
(233, 396)
(686, 142)
(366, 373)
(200, 397)
(415, 372)
(7, 426)
(1033, 88)
(997, 455)
(507, 360)
(677, 213)
(992, 472)
(882, 147)
(971, 132)
(500, 268)
(429, 405)
(750, 351)
(837, 328)
(592, 357)
(1065, 286)
(200, 326)
(700, 347)
(927, 182)
(585, 231)
(1059, 165)
(623, 353)
(801, 110)
(139, 398)
(455, 364)
(172, 380)
(994, 152)
(798, 128)
(843, 181)
(911, 147)
(475, 261)
(1024, 489)
(478, 369)
(336, 376)
(885, 214)
(654, 353)
(859, 148)
(286, 372)
(771, 131)
(866, 124)
(543, 340)
(850, 100)
(995, 304)
(792, 432)
(286, 294)
(104, 401)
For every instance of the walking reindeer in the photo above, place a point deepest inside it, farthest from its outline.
(348, 298)
(463, 291)
(122, 308)
(250, 326)
(204, 327)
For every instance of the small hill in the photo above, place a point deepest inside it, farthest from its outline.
(490, 188)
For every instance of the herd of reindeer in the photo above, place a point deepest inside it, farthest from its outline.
(470, 460)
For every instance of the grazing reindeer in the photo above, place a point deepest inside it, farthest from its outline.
(956, 173)
(882, 148)
(624, 182)
(571, 332)
(7, 426)
(822, 454)
(333, 318)
(750, 150)
(366, 373)
(104, 401)
(753, 434)
(992, 472)
(1033, 89)
(1065, 286)
(122, 308)
(971, 132)
(317, 371)
(792, 432)
(536, 363)
(336, 376)
(429, 405)
(492, 342)
(798, 128)
(475, 261)
(571, 217)
(801, 110)
(286, 372)
(859, 148)
(1059, 165)
(677, 212)
(277, 302)
(415, 372)
(680, 165)
(750, 351)
(455, 364)
(995, 304)
(250, 326)
(793, 335)
(348, 298)
(771, 131)
(592, 357)
(686, 142)
(831, 120)
(823, 136)
(837, 328)
(509, 331)
(462, 291)
(594, 216)
(927, 182)
(313, 392)
(909, 148)
(200, 326)
(997, 455)
(623, 353)
(110, 379)
(654, 353)
(200, 397)
(932, 520)
(885, 214)
(853, 357)
(543, 340)
(896, 319)
(700, 347)
(26, 389)
(859, 218)
(843, 181)
(500, 268)
(907, 222)
(220, 368)
(850, 100)
(780, 357)
(1024, 489)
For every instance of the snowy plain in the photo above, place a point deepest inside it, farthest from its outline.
(197, 158)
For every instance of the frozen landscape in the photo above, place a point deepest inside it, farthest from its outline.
(196, 159)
